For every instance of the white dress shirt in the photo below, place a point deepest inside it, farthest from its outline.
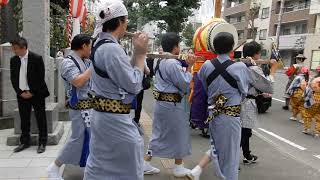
(23, 83)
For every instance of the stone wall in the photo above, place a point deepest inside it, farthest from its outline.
(9, 102)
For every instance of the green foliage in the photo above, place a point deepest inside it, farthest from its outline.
(58, 19)
(174, 13)
(18, 15)
(188, 34)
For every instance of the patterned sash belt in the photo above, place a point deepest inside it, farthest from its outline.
(218, 108)
(168, 97)
(81, 105)
(103, 104)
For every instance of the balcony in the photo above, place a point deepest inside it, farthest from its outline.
(237, 8)
(293, 6)
(234, 3)
(315, 7)
(296, 41)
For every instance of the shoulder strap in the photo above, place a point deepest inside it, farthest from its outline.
(100, 72)
(220, 69)
(157, 68)
(75, 62)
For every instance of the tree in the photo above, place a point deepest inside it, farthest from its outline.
(172, 12)
(252, 14)
(188, 34)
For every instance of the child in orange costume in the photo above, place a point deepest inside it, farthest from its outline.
(296, 92)
(312, 107)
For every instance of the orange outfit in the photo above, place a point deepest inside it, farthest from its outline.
(297, 102)
(313, 112)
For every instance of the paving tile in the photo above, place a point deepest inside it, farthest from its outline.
(9, 173)
(41, 162)
(6, 148)
(27, 165)
(5, 154)
(33, 172)
(14, 163)
(32, 153)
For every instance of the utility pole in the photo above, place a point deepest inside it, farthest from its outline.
(217, 8)
(279, 22)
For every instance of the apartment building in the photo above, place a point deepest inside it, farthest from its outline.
(312, 46)
(297, 24)
(261, 24)
(235, 13)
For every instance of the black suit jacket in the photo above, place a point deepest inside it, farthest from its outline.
(35, 75)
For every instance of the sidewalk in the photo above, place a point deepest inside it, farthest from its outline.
(27, 165)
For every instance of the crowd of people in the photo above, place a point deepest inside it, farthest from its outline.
(303, 94)
(102, 82)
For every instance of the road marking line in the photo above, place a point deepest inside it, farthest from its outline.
(283, 139)
(317, 156)
(279, 100)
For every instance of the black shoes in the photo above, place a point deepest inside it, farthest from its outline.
(285, 107)
(41, 149)
(253, 159)
(21, 147)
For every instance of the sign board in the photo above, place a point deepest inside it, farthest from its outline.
(315, 59)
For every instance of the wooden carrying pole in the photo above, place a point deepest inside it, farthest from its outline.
(217, 8)
(198, 58)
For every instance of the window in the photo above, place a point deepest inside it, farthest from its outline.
(243, 18)
(315, 59)
(285, 31)
(265, 13)
(264, 53)
(251, 33)
(301, 29)
(241, 34)
(263, 34)
(228, 19)
(236, 18)
(304, 29)
(256, 14)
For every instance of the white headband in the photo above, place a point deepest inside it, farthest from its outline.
(111, 10)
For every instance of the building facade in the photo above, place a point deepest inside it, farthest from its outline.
(299, 30)
(297, 24)
(312, 47)
(235, 12)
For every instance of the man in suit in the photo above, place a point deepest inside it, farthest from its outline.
(27, 78)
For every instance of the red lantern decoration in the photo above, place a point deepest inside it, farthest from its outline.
(83, 17)
(76, 6)
(4, 2)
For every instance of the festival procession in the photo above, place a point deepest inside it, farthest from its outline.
(159, 90)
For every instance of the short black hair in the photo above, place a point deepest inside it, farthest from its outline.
(223, 43)
(20, 41)
(112, 24)
(169, 41)
(79, 40)
(251, 48)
